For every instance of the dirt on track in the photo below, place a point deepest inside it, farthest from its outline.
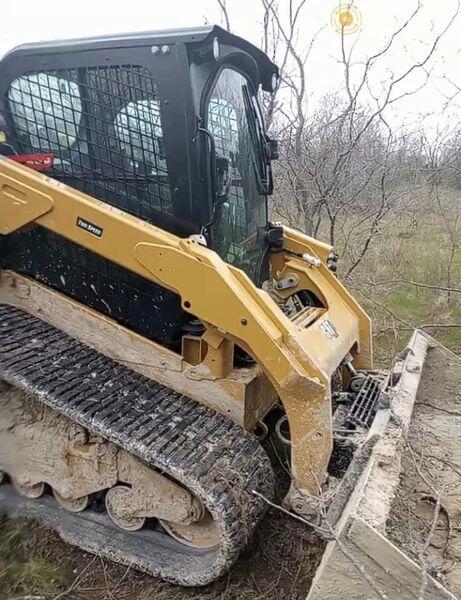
(278, 564)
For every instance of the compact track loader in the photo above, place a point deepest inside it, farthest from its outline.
(154, 324)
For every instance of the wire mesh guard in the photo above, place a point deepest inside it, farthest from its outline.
(103, 126)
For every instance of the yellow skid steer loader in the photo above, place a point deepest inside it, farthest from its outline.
(153, 322)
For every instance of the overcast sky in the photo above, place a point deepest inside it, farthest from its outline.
(29, 20)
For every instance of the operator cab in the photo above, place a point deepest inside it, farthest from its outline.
(163, 125)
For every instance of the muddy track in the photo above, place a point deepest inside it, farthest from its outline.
(213, 457)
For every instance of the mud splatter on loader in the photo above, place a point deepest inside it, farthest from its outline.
(154, 324)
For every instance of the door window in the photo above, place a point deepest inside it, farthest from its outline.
(237, 219)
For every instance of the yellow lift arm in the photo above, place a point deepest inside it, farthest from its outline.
(298, 356)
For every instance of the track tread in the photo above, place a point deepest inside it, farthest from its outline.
(215, 458)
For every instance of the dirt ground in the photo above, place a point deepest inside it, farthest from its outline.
(279, 564)
(426, 514)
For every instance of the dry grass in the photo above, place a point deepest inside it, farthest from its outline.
(278, 564)
(402, 279)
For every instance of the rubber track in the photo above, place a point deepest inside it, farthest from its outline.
(216, 459)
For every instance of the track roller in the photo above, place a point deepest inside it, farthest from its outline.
(202, 535)
(125, 523)
(28, 491)
(73, 505)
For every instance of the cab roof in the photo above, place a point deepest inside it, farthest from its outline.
(187, 36)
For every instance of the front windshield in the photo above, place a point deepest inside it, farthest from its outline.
(243, 211)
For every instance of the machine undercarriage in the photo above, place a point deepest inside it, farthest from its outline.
(97, 433)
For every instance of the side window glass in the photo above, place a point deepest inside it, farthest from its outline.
(223, 124)
(47, 111)
(139, 132)
(103, 125)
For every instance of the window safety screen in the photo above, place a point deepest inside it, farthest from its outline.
(103, 126)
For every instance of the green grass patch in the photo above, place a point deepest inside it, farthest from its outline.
(402, 254)
(23, 571)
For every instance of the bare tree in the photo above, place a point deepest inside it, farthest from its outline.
(224, 13)
(348, 174)
(340, 163)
